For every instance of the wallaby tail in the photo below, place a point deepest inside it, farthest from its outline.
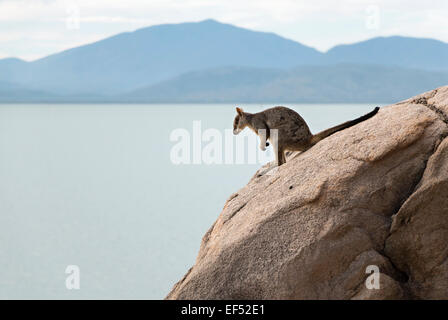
(321, 135)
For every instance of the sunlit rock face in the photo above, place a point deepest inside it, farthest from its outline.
(374, 194)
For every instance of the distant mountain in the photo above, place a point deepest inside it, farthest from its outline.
(133, 59)
(12, 69)
(418, 53)
(11, 62)
(154, 61)
(12, 92)
(335, 83)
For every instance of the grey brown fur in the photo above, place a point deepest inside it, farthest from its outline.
(293, 134)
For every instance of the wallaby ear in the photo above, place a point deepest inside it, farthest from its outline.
(239, 111)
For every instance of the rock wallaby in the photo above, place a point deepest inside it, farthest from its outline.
(292, 132)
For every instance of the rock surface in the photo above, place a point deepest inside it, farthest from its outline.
(374, 194)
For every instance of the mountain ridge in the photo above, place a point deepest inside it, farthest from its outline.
(432, 54)
(305, 84)
(150, 56)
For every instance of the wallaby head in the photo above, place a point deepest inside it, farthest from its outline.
(240, 122)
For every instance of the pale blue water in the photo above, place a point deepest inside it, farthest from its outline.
(93, 186)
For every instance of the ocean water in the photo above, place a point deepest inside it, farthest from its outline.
(95, 186)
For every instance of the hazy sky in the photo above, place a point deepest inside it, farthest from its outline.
(30, 29)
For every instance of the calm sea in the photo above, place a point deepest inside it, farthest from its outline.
(94, 186)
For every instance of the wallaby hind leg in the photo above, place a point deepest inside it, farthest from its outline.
(279, 153)
(280, 156)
